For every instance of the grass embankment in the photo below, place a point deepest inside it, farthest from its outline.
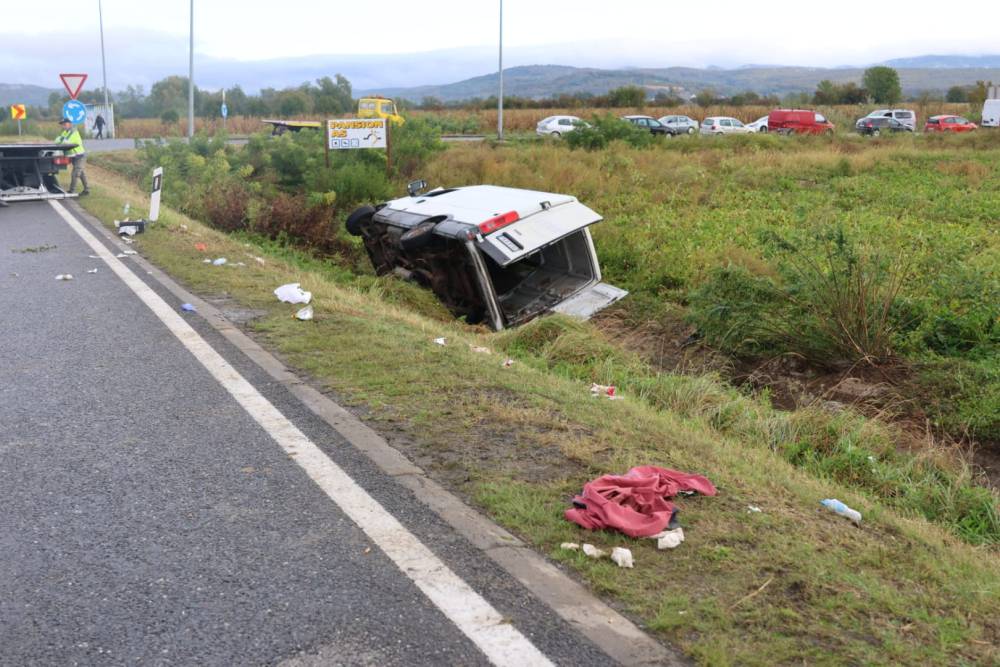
(793, 583)
(746, 224)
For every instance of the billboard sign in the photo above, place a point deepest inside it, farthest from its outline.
(352, 133)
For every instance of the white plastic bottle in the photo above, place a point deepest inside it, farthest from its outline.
(840, 508)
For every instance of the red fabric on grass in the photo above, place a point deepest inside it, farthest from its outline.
(634, 503)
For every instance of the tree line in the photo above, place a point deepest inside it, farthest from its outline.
(168, 99)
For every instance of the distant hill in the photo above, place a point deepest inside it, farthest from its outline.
(17, 93)
(547, 80)
(946, 62)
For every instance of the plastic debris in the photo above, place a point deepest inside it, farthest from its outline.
(840, 508)
(130, 252)
(507, 363)
(479, 350)
(93, 256)
(259, 260)
(64, 276)
(304, 314)
(669, 539)
(126, 240)
(130, 227)
(622, 557)
(206, 261)
(120, 255)
(441, 341)
(753, 509)
(200, 247)
(239, 264)
(92, 271)
(572, 546)
(188, 308)
(292, 293)
(598, 390)
(220, 261)
(593, 552)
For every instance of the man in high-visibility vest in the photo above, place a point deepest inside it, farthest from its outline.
(70, 135)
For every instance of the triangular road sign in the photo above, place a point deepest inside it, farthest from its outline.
(73, 83)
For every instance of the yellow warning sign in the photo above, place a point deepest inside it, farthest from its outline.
(18, 112)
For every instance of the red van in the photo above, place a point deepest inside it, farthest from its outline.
(798, 121)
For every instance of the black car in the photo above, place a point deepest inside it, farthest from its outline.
(876, 126)
(647, 123)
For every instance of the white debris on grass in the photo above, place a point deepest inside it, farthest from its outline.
(593, 552)
(292, 293)
(259, 260)
(507, 363)
(441, 341)
(304, 314)
(206, 261)
(572, 546)
(479, 350)
(669, 539)
(609, 391)
(753, 509)
(219, 262)
(622, 557)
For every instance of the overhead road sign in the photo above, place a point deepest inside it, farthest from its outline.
(73, 83)
(18, 112)
(75, 111)
(351, 133)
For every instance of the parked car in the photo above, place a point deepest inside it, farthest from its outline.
(907, 117)
(948, 123)
(648, 123)
(874, 126)
(491, 254)
(723, 125)
(759, 125)
(556, 126)
(798, 121)
(991, 113)
(679, 125)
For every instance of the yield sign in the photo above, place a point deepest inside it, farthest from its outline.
(73, 83)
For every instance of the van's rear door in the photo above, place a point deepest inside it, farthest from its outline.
(591, 300)
(537, 230)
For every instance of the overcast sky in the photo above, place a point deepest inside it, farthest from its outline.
(145, 38)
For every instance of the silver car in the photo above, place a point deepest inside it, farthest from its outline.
(679, 125)
(556, 126)
(717, 125)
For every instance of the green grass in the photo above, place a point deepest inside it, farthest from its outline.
(519, 442)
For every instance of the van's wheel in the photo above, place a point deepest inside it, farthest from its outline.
(876, 132)
(358, 219)
(690, 130)
(763, 129)
(417, 237)
(555, 135)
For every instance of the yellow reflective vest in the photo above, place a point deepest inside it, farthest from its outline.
(71, 136)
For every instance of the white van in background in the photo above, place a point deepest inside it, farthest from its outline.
(991, 114)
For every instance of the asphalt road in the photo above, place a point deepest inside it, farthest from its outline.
(147, 518)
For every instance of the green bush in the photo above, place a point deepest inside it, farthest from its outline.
(602, 130)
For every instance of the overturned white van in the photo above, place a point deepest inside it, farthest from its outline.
(491, 254)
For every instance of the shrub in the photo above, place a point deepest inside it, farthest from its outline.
(169, 117)
(602, 130)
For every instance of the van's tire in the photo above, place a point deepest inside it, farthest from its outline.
(690, 130)
(419, 236)
(763, 129)
(555, 135)
(876, 132)
(358, 219)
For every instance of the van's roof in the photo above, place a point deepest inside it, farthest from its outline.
(477, 203)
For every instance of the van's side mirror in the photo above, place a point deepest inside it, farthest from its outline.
(414, 188)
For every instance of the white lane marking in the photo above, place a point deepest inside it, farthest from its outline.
(502, 643)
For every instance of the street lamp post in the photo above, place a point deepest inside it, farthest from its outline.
(500, 96)
(191, 77)
(104, 66)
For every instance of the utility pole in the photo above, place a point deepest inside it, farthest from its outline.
(191, 77)
(104, 67)
(500, 96)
